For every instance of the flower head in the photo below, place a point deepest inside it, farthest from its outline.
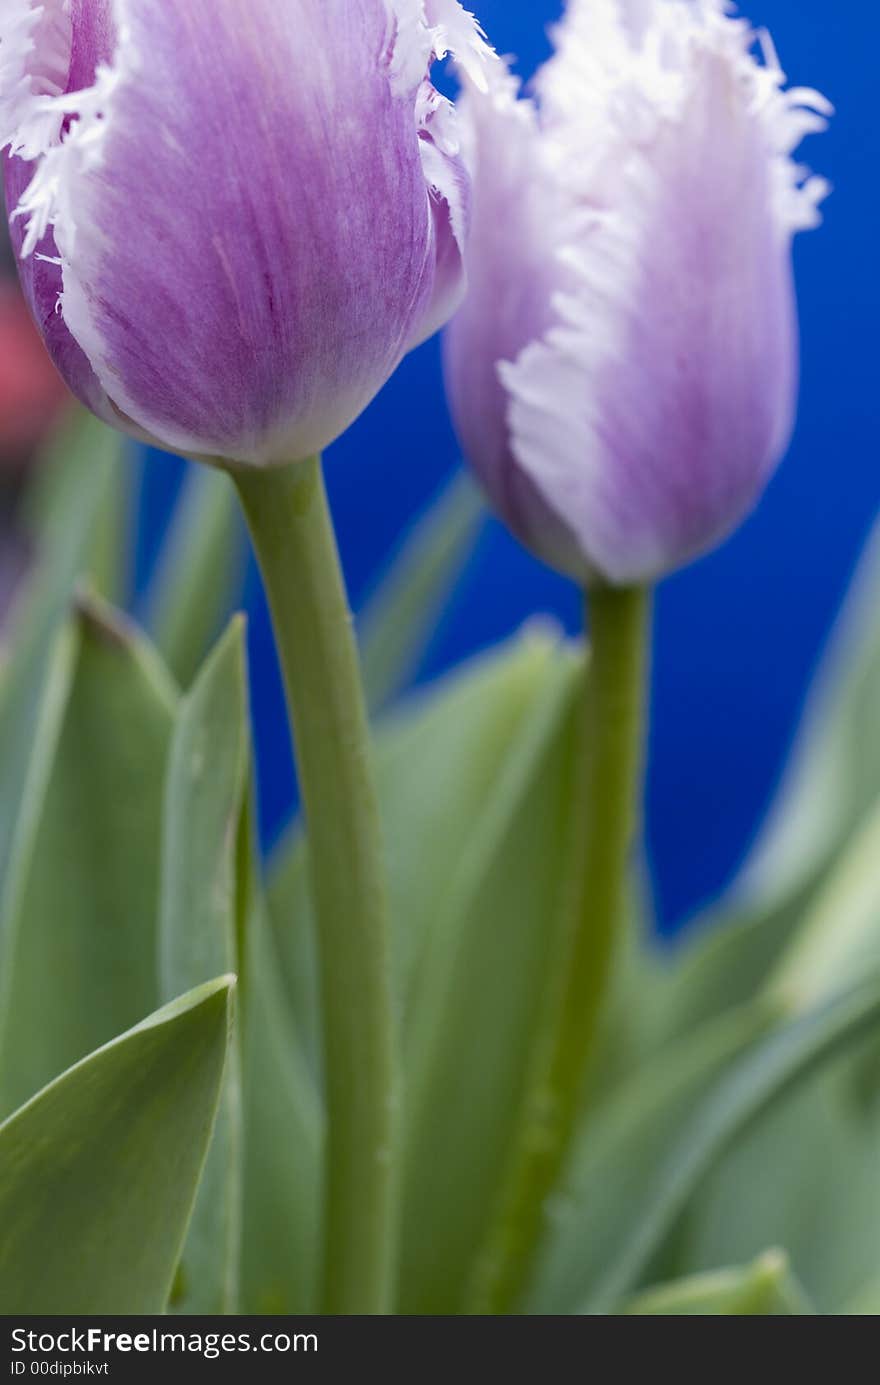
(623, 371)
(233, 220)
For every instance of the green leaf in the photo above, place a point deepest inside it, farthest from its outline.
(866, 1303)
(476, 991)
(204, 797)
(398, 622)
(99, 1171)
(834, 774)
(199, 572)
(765, 1288)
(79, 922)
(111, 567)
(62, 522)
(459, 734)
(453, 831)
(283, 1134)
(205, 792)
(718, 964)
(13, 883)
(839, 935)
(254, 1236)
(803, 1175)
(623, 1155)
(757, 1080)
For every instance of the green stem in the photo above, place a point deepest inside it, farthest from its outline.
(609, 780)
(287, 513)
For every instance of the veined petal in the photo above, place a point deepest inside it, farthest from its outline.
(244, 279)
(516, 272)
(66, 41)
(243, 214)
(649, 374)
(426, 31)
(652, 415)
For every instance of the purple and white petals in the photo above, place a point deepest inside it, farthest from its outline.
(650, 406)
(240, 221)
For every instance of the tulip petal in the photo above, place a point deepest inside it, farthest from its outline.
(653, 414)
(641, 316)
(246, 261)
(246, 215)
(60, 56)
(516, 273)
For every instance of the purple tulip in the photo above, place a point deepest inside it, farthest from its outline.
(232, 220)
(623, 373)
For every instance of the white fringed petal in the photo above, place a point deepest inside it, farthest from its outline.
(422, 32)
(35, 43)
(312, 224)
(649, 407)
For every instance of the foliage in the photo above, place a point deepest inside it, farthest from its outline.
(733, 1102)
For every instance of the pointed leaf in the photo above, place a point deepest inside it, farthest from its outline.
(204, 802)
(81, 937)
(622, 1156)
(51, 712)
(62, 522)
(766, 1288)
(283, 1130)
(98, 1172)
(803, 1175)
(476, 993)
(753, 1083)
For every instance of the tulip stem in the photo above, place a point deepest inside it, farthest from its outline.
(290, 524)
(593, 915)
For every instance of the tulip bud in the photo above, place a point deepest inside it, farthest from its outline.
(232, 220)
(623, 371)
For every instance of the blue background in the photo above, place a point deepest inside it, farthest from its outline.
(739, 634)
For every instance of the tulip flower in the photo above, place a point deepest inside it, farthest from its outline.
(233, 220)
(623, 373)
(623, 379)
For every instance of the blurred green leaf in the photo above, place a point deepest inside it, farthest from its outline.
(765, 1288)
(834, 774)
(476, 991)
(111, 567)
(866, 1303)
(13, 883)
(438, 762)
(205, 790)
(622, 1161)
(400, 619)
(62, 519)
(469, 778)
(204, 799)
(839, 935)
(283, 1134)
(199, 572)
(99, 1171)
(717, 964)
(753, 1084)
(261, 1192)
(80, 929)
(806, 1171)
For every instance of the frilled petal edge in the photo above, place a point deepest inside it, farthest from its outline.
(242, 272)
